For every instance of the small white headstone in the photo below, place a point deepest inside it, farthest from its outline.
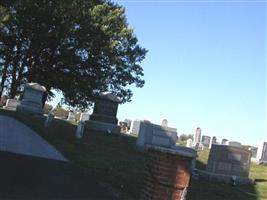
(84, 116)
(11, 104)
(189, 143)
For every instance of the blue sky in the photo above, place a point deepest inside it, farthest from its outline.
(205, 66)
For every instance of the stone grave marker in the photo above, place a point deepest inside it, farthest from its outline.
(11, 104)
(49, 119)
(189, 143)
(71, 116)
(213, 141)
(157, 135)
(84, 117)
(80, 129)
(205, 140)
(104, 115)
(32, 101)
(164, 122)
(262, 153)
(229, 160)
(233, 143)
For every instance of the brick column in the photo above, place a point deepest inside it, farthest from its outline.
(168, 173)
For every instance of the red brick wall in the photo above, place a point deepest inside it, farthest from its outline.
(166, 175)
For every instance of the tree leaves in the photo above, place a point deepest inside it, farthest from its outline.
(80, 47)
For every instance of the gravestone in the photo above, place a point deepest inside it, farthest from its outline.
(71, 116)
(253, 151)
(164, 122)
(80, 129)
(229, 160)
(262, 152)
(189, 143)
(213, 141)
(49, 119)
(205, 140)
(84, 117)
(224, 141)
(32, 100)
(135, 127)
(157, 135)
(11, 104)
(233, 143)
(197, 135)
(104, 114)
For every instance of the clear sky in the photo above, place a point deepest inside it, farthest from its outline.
(205, 66)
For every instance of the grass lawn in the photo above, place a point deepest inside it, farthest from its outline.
(119, 167)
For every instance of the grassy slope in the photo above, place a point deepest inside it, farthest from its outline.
(117, 165)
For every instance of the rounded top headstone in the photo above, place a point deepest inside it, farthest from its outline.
(164, 122)
(35, 86)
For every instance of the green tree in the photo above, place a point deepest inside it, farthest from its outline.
(79, 47)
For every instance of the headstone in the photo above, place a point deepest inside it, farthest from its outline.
(32, 101)
(157, 135)
(71, 116)
(80, 129)
(197, 136)
(189, 143)
(104, 114)
(205, 140)
(164, 122)
(224, 141)
(213, 141)
(233, 143)
(229, 160)
(84, 117)
(135, 127)
(253, 151)
(49, 119)
(11, 104)
(262, 152)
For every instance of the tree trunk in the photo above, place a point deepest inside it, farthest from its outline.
(3, 80)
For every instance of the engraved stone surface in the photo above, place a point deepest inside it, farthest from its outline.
(229, 160)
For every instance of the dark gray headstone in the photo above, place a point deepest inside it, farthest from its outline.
(205, 140)
(104, 114)
(229, 160)
(32, 101)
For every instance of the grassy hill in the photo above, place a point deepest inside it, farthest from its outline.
(120, 167)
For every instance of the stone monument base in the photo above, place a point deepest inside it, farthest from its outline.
(102, 126)
(28, 109)
(222, 178)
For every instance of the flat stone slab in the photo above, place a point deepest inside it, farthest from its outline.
(17, 138)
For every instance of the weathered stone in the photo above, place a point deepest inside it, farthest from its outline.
(153, 134)
(11, 104)
(32, 101)
(104, 114)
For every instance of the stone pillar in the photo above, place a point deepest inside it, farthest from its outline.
(168, 173)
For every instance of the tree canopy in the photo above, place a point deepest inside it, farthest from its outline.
(80, 47)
